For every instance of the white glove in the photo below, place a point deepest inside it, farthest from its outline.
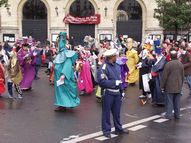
(117, 82)
(139, 65)
(27, 55)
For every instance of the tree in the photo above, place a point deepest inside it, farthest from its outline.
(173, 14)
(4, 2)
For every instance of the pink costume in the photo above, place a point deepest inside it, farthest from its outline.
(85, 79)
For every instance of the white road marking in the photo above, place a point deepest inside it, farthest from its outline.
(93, 135)
(141, 121)
(74, 136)
(136, 128)
(66, 139)
(96, 134)
(102, 138)
(128, 115)
(181, 109)
(160, 120)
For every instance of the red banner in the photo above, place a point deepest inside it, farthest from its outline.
(95, 19)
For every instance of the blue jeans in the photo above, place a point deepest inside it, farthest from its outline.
(188, 78)
(173, 102)
(37, 67)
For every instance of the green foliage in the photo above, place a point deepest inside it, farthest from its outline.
(4, 2)
(173, 14)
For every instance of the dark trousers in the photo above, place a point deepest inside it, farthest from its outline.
(188, 78)
(173, 102)
(111, 103)
(10, 89)
(37, 67)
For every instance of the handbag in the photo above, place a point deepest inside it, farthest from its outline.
(146, 78)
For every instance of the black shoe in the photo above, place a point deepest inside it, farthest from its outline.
(177, 117)
(37, 78)
(107, 135)
(122, 132)
(132, 84)
(165, 117)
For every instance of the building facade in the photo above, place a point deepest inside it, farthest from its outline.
(44, 19)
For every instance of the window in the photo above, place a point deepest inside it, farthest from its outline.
(34, 9)
(132, 8)
(82, 8)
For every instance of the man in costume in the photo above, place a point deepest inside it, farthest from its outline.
(14, 75)
(26, 61)
(65, 88)
(109, 79)
(133, 59)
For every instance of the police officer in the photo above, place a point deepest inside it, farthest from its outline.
(109, 78)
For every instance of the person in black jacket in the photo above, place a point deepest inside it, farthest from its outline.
(144, 69)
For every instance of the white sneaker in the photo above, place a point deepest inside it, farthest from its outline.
(20, 96)
(149, 96)
(9, 96)
(142, 96)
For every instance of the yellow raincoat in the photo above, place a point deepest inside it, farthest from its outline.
(133, 59)
(14, 69)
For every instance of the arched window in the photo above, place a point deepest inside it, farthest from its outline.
(132, 8)
(82, 8)
(122, 15)
(34, 9)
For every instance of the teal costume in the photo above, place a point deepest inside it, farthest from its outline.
(65, 94)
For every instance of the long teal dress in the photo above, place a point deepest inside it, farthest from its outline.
(65, 94)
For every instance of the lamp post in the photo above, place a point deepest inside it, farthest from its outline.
(105, 11)
(8, 11)
(56, 9)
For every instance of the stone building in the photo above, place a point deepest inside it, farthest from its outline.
(44, 19)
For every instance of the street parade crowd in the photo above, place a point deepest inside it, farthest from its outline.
(108, 68)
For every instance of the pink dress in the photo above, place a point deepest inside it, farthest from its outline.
(85, 79)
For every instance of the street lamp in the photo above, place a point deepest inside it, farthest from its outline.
(105, 11)
(56, 9)
(8, 11)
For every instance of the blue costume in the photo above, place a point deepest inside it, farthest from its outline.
(65, 94)
(156, 71)
(108, 74)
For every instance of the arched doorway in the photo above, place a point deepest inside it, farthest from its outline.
(34, 21)
(81, 8)
(129, 19)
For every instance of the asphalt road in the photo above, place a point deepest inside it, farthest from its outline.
(33, 120)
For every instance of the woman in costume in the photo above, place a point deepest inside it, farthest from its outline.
(26, 61)
(14, 75)
(85, 84)
(133, 60)
(156, 72)
(2, 76)
(122, 60)
(144, 70)
(65, 89)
